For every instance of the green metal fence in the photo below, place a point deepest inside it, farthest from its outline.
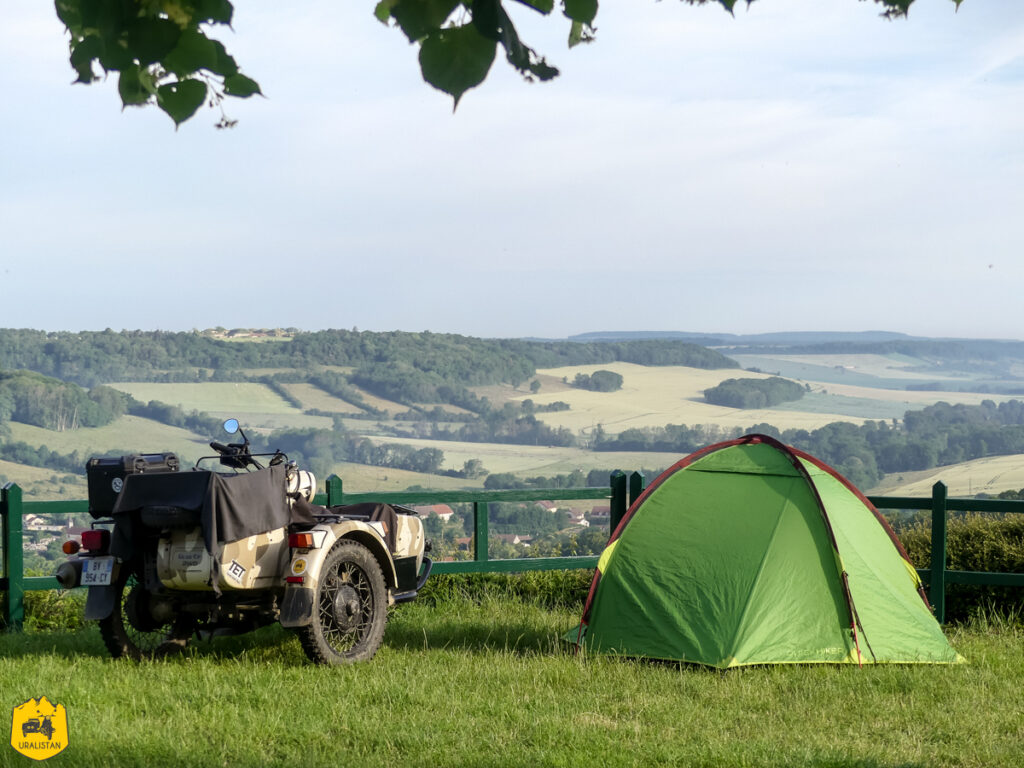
(621, 491)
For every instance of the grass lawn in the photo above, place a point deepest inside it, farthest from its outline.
(487, 682)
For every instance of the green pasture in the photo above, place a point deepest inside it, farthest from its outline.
(363, 478)
(532, 460)
(211, 397)
(487, 682)
(311, 396)
(42, 484)
(132, 433)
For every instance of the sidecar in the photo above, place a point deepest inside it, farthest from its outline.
(345, 570)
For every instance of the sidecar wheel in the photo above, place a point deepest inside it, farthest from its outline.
(349, 610)
(126, 632)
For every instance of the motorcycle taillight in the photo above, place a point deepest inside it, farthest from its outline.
(96, 540)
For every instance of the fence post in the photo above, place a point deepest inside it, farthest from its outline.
(619, 504)
(480, 510)
(937, 590)
(636, 486)
(335, 494)
(12, 612)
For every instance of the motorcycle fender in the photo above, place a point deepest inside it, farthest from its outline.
(297, 607)
(100, 602)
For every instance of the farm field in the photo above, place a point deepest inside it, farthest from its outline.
(311, 396)
(655, 396)
(489, 683)
(210, 397)
(990, 475)
(381, 403)
(893, 366)
(537, 459)
(876, 371)
(36, 482)
(361, 478)
(128, 433)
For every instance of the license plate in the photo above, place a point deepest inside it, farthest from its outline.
(96, 571)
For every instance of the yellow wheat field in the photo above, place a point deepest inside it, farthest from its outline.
(658, 395)
(655, 396)
(990, 475)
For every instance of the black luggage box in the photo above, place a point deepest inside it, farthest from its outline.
(105, 476)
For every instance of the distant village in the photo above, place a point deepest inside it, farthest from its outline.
(42, 531)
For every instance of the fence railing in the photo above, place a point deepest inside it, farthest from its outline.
(622, 490)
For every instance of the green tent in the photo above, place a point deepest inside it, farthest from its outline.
(752, 552)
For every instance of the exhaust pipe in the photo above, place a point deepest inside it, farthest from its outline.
(69, 574)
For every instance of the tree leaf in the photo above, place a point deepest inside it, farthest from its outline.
(152, 38)
(420, 18)
(69, 12)
(217, 11)
(383, 10)
(180, 100)
(576, 34)
(541, 6)
(133, 93)
(226, 64)
(241, 86)
(584, 11)
(82, 54)
(456, 59)
(115, 56)
(193, 52)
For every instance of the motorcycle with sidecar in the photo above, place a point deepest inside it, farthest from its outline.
(175, 554)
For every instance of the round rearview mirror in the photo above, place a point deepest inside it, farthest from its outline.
(231, 426)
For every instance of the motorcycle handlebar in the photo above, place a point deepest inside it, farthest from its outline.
(219, 447)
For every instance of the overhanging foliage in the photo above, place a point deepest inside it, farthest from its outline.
(163, 54)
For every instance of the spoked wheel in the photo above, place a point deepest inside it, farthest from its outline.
(349, 608)
(132, 631)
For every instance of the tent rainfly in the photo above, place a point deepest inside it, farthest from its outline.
(752, 552)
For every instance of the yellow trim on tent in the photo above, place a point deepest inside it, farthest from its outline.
(913, 573)
(602, 564)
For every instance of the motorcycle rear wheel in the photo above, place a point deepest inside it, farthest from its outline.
(133, 639)
(350, 608)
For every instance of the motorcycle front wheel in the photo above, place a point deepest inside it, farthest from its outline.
(349, 609)
(130, 631)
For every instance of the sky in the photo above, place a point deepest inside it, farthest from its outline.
(801, 165)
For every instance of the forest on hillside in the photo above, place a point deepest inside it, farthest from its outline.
(937, 435)
(55, 381)
(97, 357)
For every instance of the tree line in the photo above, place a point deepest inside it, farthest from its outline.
(937, 435)
(598, 381)
(754, 393)
(429, 360)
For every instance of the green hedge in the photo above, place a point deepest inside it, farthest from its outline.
(974, 542)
